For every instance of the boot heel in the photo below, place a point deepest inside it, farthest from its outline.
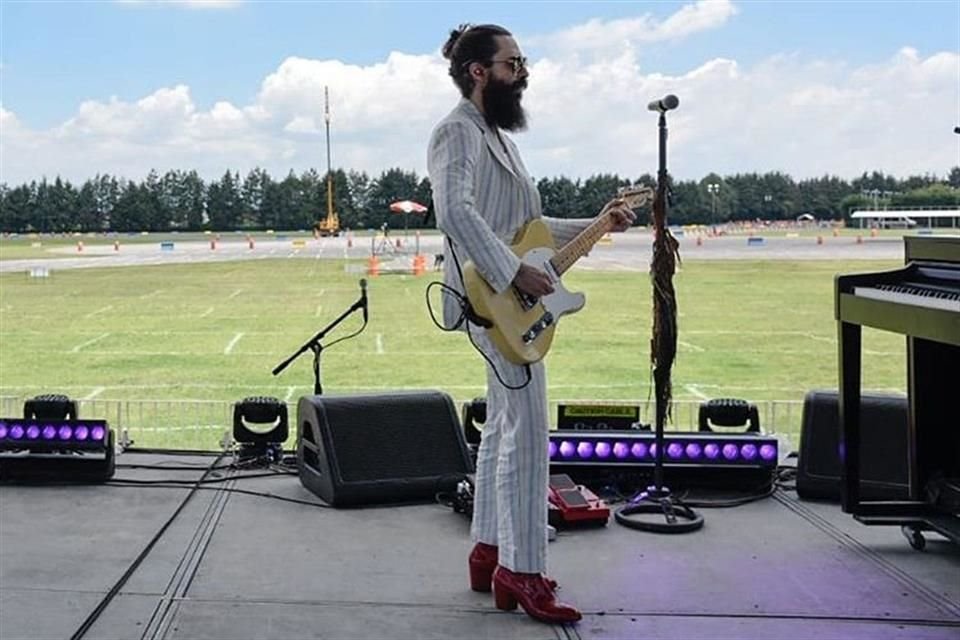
(504, 600)
(480, 578)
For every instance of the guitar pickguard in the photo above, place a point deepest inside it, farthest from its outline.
(561, 301)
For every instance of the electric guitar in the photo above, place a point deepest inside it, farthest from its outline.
(523, 326)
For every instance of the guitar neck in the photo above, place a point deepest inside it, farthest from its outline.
(581, 245)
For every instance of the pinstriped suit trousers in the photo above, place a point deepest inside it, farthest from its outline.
(510, 501)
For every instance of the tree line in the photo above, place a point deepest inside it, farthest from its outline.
(183, 201)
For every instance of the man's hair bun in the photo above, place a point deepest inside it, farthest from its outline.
(452, 40)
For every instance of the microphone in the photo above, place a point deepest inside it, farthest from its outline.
(956, 129)
(363, 297)
(664, 104)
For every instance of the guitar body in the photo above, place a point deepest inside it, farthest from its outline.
(523, 328)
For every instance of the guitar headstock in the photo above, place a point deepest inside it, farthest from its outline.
(637, 195)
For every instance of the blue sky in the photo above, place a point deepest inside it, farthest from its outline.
(57, 55)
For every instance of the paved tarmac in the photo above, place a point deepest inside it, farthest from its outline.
(625, 251)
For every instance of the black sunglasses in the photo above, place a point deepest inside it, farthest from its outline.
(515, 62)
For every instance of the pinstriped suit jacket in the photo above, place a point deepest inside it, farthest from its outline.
(482, 195)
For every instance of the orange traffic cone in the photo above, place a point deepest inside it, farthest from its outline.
(419, 265)
(373, 266)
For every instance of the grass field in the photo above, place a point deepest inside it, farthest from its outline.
(214, 331)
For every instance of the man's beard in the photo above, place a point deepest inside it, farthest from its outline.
(501, 104)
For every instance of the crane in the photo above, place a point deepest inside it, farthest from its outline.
(329, 226)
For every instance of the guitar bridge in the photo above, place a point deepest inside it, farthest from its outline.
(538, 327)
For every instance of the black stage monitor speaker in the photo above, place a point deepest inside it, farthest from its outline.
(370, 449)
(883, 440)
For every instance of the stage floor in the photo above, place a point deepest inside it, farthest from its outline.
(236, 566)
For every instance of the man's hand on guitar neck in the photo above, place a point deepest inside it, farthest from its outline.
(532, 281)
(620, 214)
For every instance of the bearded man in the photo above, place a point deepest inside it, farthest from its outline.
(482, 196)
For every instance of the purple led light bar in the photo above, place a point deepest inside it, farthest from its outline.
(53, 433)
(686, 449)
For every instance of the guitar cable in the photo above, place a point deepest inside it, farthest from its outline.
(468, 316)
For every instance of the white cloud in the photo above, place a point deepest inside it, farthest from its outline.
(609, 36)
(190, 4)
(806, 117)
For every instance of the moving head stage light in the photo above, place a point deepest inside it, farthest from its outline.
(43, 450)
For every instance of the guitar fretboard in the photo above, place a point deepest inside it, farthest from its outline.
(581, 245)
(634, 197)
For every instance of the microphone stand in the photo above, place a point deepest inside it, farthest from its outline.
(314, 344)
(656, 499)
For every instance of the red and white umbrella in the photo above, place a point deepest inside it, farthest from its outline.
(407, 206)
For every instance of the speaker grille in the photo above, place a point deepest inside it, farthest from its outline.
(884, 458)
(393, 436)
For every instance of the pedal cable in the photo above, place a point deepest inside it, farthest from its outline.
(468, 316)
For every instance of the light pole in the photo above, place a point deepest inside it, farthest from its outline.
(713, 188)
(767, 199)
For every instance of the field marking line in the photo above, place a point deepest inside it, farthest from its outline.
(206, 313)
(234, 294)
(692, 388)
(692, 347)
(289, 395)
(232, 343)
(151, 294)
(93, 394)
(100, 310)
(319, 309)
(89, 342)
(380, 344)
(322, 291)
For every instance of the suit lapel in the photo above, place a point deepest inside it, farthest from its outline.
(489, 136)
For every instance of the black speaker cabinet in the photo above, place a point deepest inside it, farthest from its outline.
(883, 439)
(371, 449)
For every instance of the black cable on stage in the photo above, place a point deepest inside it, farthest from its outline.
(189, 483)
(115, 589)
(121, 484)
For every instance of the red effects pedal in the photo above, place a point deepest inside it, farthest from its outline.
(571, 503)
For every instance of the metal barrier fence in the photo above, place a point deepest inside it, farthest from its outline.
(201, 425)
